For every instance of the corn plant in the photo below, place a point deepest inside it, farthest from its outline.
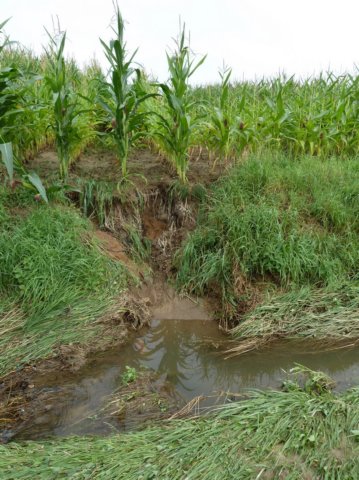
(224, 124)
(122, 94)
(9, 93)
(64, 101)
(177, 125)
(10, 96)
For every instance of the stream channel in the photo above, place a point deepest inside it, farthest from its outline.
(185, 350)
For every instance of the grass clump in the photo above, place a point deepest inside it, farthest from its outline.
(53, 282)
(329, 315)
(301, 433)
(289, 224)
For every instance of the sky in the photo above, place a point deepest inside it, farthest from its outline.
(257, 38)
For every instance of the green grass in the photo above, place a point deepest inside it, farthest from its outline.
(329, 315)
(54, 282)
(287, 223)
(302, 433)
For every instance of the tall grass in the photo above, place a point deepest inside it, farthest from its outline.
(55, 280)
(279, 221)
(301, 433)
(295, 222)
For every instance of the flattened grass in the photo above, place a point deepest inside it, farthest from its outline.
(296, 434)
(326, 314)
(54, 283)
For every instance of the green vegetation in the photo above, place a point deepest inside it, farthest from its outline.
(96, 200)
(276, 240)
(176, 126)
(122, 96)
(64, 101)
(329, 315)
(53, 282)
(301, 433)
(317, 116)
(223, 124)
(129, 375)
(292, 225)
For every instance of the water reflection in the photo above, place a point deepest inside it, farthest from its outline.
(189, 359)
(190, 355)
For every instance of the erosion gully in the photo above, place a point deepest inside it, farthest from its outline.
(185, 350)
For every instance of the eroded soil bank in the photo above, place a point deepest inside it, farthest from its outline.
(182, 357)
(142, 231)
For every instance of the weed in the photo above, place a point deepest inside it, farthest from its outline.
(54, 278)
(129, 375)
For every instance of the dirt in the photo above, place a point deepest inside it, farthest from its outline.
(101, 163)
(113, 248)
(164, 220)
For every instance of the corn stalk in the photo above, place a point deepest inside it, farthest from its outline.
(177, 125)
(10, 95)
(64, 102)
(224, 124)
(122, 94)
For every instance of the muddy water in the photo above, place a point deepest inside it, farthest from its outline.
(185, 350)
(191, 356)
(188, 358)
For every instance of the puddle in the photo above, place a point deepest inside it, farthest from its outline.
(188, 359)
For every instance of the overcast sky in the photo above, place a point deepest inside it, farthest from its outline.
(255, 37)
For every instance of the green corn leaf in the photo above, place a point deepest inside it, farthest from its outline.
(8, 158)
(36, 182)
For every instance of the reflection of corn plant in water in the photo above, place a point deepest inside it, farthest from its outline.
(122, 94)
(64, 101)
(179, 121)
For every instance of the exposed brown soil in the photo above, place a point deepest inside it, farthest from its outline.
(102, 164)
(164, 220)
(113, 248)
